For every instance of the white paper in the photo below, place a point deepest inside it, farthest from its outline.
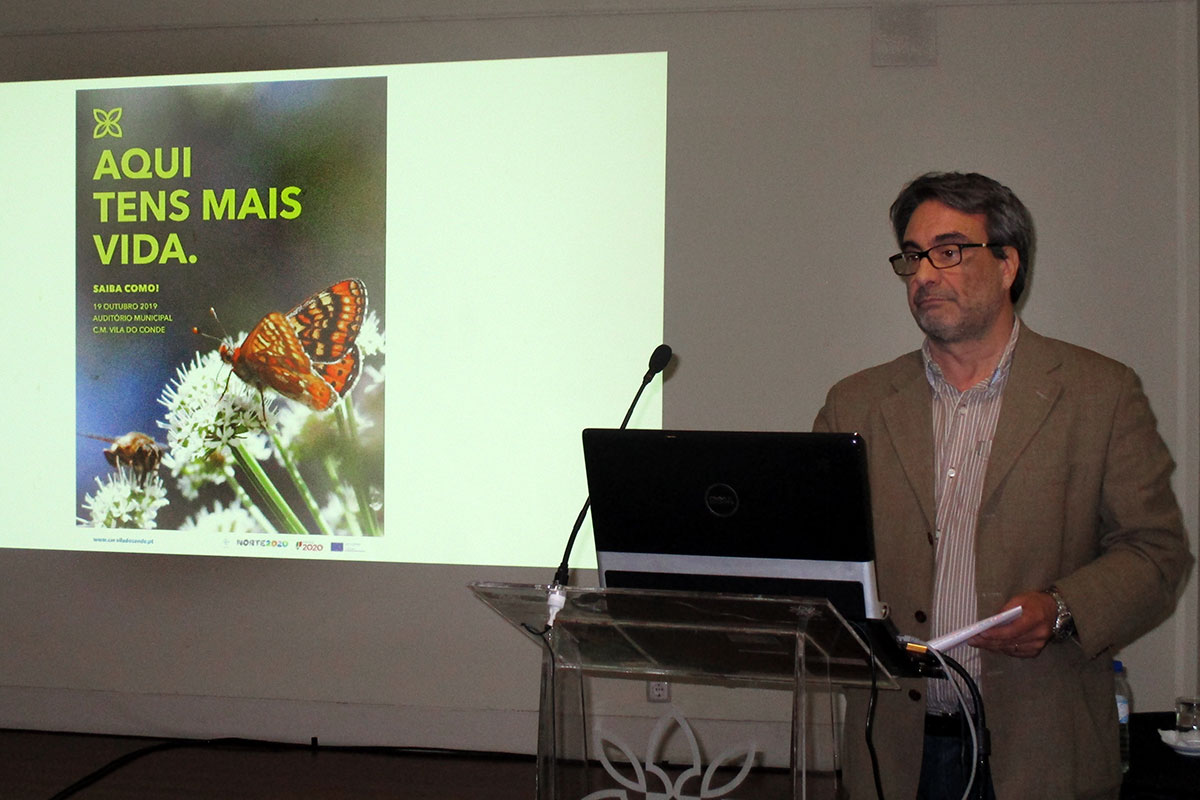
(962, 634)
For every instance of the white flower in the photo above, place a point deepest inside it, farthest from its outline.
(122, 502)
(370, 339)
(207, 411)
(335, 512)
(234, 519)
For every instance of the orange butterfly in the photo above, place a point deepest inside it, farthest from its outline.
(308, 355)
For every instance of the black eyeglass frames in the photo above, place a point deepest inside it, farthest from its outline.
(941, 256)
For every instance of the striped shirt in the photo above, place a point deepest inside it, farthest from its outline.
(963, 426)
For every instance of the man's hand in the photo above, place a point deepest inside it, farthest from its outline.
(1028, 634)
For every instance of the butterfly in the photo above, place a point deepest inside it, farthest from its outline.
(307, 355)
(135, 450)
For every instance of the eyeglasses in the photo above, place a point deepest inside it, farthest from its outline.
(942, 256)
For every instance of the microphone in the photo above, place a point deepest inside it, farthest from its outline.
(658, 362)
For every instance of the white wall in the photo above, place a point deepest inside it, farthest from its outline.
(785, 148)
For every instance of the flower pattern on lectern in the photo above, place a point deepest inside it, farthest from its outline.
(648, 780)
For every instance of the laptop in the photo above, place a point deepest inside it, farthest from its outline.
(744, 512)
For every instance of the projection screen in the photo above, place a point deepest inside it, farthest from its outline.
(208, 253)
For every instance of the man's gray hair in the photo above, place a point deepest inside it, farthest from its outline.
(1009, 223)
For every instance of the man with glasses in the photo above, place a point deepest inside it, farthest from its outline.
(1007, 469)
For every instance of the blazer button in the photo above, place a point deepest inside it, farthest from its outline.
(920, 616)
(914, 695)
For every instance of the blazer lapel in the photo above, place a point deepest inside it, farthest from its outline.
(909, 420)
(1030, 394)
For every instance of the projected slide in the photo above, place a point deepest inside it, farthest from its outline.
(264, 201)
(351, 314)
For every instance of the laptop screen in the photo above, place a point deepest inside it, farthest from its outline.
(783, 513)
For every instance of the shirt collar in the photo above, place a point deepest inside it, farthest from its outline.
(995, 383)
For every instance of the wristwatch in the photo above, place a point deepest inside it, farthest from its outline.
(1064, 624)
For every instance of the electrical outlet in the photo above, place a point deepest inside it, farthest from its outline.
(658, 691)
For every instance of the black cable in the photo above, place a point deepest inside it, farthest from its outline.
(983, 767)
(562, 575)
(233, 743)
(872, 700)
(117, 764)
(874, 697)
(983, 770)
(658, 362)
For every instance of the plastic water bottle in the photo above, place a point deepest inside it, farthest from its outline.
(1124, 706)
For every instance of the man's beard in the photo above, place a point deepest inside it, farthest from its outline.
(972, 323)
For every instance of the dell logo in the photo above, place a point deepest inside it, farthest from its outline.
(721, 500)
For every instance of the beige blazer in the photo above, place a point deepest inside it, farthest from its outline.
(1077, 494)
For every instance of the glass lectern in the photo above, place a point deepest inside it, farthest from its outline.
(722, 640)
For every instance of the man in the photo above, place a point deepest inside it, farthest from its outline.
(1006, 469)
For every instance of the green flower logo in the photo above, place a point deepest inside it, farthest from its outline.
(108, 123)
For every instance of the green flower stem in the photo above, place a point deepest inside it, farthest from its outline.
(349, 427)
(267, 489)
(248, 502)
(301, 485)
(344, 411)
(352, 516)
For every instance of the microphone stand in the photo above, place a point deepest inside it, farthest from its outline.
(557, 597)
